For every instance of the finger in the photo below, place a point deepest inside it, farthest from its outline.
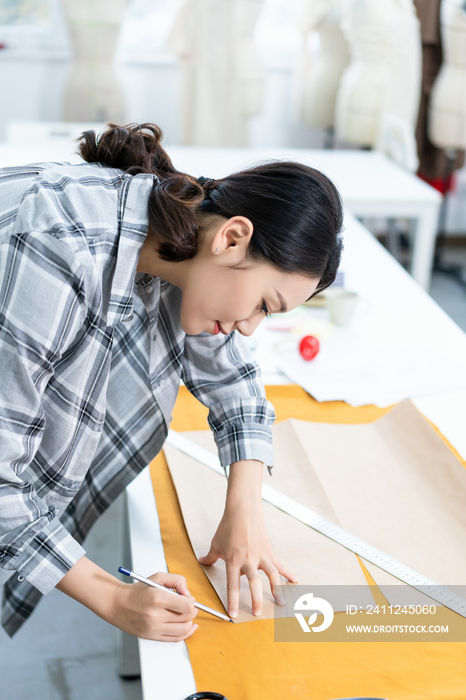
(255, 586)
(209, 558)
(168, 600)
(173, 616)
(178, 629)
(171, 581)
(233, 585)
(171, 638)
(275, 580)
(190, 634)
(180, 604)
(285, 572)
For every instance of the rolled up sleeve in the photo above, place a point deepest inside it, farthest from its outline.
(41, 309)
(222, 374)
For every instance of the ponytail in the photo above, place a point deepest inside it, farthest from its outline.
(175, 196)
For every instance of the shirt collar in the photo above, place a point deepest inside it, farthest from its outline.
(133, 222)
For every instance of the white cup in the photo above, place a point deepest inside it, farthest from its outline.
(341, 304)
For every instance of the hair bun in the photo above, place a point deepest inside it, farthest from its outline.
(134, 148)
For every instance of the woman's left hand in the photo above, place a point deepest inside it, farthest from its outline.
(242, 541)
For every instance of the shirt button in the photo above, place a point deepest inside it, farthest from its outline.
(162, 382)
(149, 289)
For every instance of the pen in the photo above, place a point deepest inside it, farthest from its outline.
(148, 582)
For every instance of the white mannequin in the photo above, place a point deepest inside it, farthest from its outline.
(221, 76)
(447, 106)
(381, 86)
(321, 83)
(93, 92)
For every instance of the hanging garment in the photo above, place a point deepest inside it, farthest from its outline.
(221, 75)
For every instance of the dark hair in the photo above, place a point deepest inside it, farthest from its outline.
(296, 211)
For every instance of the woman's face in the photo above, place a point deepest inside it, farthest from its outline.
(223, 290)
(222, 299)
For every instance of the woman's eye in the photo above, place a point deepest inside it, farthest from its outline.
(265, 309)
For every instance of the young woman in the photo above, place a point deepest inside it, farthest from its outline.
(118, 276)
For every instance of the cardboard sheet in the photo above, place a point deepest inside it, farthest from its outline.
(313, 558)
(395, 484)
(392, 482)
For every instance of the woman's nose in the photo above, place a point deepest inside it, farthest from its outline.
(249, 325)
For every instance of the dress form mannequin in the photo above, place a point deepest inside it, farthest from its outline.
(446, 116)
(93, 92)
(221, 75)
(322, 80)
(383, 79)
(433, 163)
(447, 107)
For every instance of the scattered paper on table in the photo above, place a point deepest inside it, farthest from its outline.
(380, 376)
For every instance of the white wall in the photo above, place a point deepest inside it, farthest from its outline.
(31, 86)
(34, 69)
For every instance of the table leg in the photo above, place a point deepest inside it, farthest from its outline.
(393, 242)
(424, 245)
(128, 648)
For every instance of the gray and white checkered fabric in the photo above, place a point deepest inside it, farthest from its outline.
(91, 356)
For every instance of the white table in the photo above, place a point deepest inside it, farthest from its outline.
(370, 184)
(397, 306)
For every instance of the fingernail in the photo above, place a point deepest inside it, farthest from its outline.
(233, 613)
(280, 600)
(256, 612)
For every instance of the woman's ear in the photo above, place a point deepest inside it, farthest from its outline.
(231, 241)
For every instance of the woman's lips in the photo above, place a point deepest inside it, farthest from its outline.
(219, 329)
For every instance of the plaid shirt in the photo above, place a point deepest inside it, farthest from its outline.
(91, 356)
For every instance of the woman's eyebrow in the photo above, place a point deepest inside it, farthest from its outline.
(283, 306)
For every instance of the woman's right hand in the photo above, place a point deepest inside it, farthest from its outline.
(134, 607)
(153, 614)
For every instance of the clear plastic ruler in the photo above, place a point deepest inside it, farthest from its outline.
(363, 549)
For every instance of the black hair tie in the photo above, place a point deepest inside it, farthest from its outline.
(206, 183)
